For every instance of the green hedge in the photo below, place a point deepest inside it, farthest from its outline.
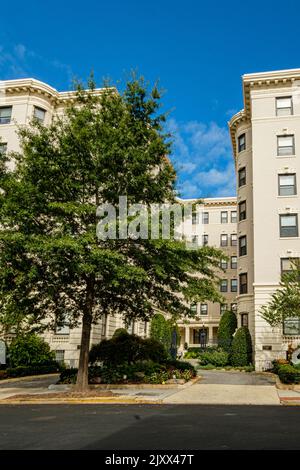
(215, 358)
(30, 350)
(241, 350)
(288, 374)
(139, 372)
(226, 329)
(23, 371)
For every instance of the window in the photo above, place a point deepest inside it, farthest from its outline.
(233, 262)
(244, 319)
(233, 307)
(224, 240)
(224, 217)
(60, 356)
(241, 142)
(130, 326)
(195, 218)
(233, 217)
(234, 284)
(193, 308)
(285, 145)
(3, 149)
(224, 285)
(242, 177)
(242, 210)
(62, 326)
(39, 114)
(291, 326)
(287, 184)
(104, 325)
(284, 106)
(5, 114)
(288, 225)
(205, 240)
(224, 264)
(286, 265)
(223, 308)
(243, 283)
(233, 239)
(243, 245)
(195, 239)
(203, 309)
(205, 217)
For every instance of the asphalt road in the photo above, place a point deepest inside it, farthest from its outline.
(149, 427)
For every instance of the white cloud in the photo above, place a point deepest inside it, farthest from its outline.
(17, 61)
(203, 159)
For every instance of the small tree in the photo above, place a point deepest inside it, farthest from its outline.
(285, 302)
(160, 330)
(227, 327)
(241, 353)
(30, 350)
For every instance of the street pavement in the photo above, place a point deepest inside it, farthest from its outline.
(125, 427)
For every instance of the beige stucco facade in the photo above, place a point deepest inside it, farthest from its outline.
(218, 229)
(271, 111)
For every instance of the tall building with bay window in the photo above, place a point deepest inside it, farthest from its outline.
(266, 146)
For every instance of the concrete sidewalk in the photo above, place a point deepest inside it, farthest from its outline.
(226, 394)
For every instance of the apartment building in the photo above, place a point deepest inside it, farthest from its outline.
(219, 229)
(20, 101)
(266, 144)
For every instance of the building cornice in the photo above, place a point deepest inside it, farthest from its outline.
(262, 80)
(38, 88)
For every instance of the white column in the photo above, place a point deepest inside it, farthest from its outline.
(187, 335)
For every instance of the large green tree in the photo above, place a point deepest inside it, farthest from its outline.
(285, 302)
(52, 262)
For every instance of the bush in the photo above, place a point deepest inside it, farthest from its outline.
(30, 350)
(277, 363)
(120, 331)
(227, 327)
(215, 358)
(241, 353)
(289, 374)
(126, 348)
(23, 371)
(160, 330)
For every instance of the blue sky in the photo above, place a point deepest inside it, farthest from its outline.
(197, 49)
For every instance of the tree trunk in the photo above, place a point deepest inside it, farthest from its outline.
(82, 376)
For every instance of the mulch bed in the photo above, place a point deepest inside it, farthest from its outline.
(58, 395)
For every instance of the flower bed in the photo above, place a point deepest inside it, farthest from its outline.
(146, 372)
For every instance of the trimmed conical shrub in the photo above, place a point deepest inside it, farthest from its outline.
(241, 354)
(227, 327)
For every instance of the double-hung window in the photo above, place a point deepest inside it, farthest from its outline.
(242, 211)
(284, 106)
(285, 145)
(288, 225)
(5, 114)
(287, 184)
(241, 142)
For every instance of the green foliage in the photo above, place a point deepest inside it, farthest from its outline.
(285, 302)
(215, 358)
(120, 331)
(107, 145)
(23, 371)
(241, 354)
(30, 350)
(226, 329)
(288, 374)
(139, 372)
(160, 330)
(126, 348)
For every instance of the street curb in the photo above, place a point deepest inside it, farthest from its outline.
(82, 401)
(27, 377)
(144, 386)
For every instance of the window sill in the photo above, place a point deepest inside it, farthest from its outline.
(284, 197)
